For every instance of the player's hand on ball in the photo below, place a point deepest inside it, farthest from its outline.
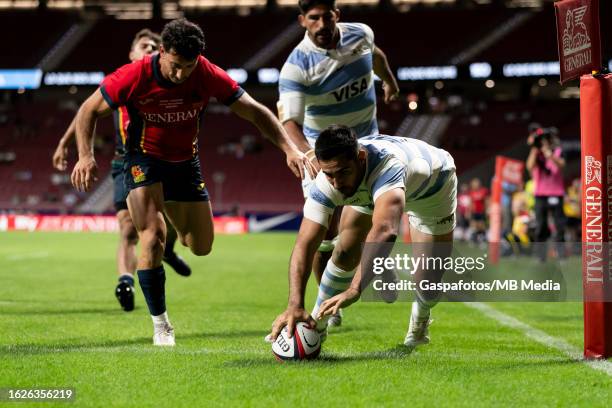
(391, 91)
(332, 305)
(60, 158)
(290, 318)
(85, 173)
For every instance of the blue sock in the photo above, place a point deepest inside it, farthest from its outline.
(152, 282)
(127, 278)
(333, 281)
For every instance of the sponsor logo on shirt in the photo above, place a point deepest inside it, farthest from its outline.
(171, 117)
(138, 175)
(351, 90)
(170, 103)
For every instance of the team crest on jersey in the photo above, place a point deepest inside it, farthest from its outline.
(202, 186)
(138, 174)
(360, 50)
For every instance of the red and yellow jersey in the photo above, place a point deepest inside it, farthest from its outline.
(121, 119)
(479, 197)
(164, 118)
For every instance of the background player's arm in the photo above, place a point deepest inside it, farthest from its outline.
(382, 69)
(60, 156)
(385, 228)
(294, 130)
(308, 240)
(84, 172)
(256, 113)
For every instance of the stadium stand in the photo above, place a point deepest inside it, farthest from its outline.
(234, 151)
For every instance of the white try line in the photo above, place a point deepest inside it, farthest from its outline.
(538, 335)
(31, 255)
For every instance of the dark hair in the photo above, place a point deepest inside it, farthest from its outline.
(184, 37)
(145, 32)
(337, 140)
(306, 5)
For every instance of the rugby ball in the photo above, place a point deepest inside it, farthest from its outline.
(304, 345)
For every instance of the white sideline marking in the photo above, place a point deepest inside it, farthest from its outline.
(31, 255)
(538, 335)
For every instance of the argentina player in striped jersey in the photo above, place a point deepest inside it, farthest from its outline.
(377, 179)
(327, 79)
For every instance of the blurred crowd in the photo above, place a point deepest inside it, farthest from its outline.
(544, 208)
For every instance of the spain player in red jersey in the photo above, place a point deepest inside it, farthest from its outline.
(145, 42)
(165, 95)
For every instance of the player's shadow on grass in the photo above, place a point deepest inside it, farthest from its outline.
(34, 349)
(556, 318)
(521, 365)
(62, 301)
(80, 345)
(398, 352)
(59, 312)
(230, 334)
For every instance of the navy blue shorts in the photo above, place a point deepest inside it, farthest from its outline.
(120, 192)
(181, 181)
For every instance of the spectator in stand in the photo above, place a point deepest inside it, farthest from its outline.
(479, 197)
(545, 163)
(464, 204)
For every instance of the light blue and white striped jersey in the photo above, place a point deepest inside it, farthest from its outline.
(320, 87)
(418, 168)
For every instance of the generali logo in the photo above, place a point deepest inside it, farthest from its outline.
(578, 37)
(593, 202)
(592, 170)
(575, 35)
(576, 41)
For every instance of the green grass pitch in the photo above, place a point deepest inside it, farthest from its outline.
(60, 326)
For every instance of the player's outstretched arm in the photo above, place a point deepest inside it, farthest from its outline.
(256, 113)
(385, 228)
(60, 156)
(294, 130)
(382, 69)
(84, 173)
(308, 240)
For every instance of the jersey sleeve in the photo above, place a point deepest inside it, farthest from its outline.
(222, 86)
(292, 90)
(118, 87)
(392, 175)
(321, 202)
(368, 35)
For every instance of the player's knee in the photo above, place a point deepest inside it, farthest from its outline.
(345, 258)
(202, 249)
(128, 233)
(153, 240)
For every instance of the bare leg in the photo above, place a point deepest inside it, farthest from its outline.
(128, 238)
(126, 260)
(193, 222)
